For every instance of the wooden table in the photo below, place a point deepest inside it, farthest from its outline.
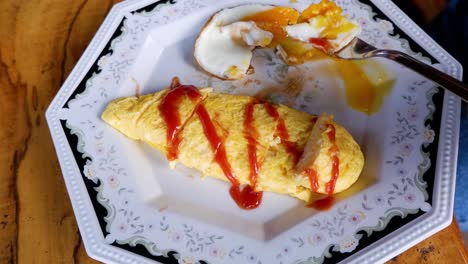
(41, 41)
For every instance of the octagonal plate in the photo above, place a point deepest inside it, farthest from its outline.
(131, 207)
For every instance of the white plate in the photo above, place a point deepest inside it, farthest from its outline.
(131, 208)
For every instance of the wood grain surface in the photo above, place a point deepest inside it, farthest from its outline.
(41, 41)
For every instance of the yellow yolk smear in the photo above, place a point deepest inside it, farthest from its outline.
(366, 84)
(274, 20)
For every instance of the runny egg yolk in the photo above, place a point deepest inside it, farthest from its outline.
(274, 20)
(327, 15)
(325, 7)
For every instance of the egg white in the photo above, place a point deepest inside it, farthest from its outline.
(218, 51)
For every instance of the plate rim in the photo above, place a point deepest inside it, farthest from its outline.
(430, 223)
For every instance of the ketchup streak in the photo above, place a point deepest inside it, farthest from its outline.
(313, 178)
(326, 203)
(334, 152)
(323, 204)
(251, 135)
(169, 109)
(283, 132)
(321, 43)
(216, 144)
(250, 199)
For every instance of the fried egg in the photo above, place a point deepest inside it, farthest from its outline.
(224, 46)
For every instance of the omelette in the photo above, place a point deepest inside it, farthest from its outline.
(256, 146)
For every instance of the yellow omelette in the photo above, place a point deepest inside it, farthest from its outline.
(279, 171)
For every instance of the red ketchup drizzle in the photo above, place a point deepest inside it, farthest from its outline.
(321, 43)
(169, 109)
(313, 178)
(249, 198)
(334, 151)
(327, 203)
(251, 135)
(283, 132)
(323, 204)
(246, 199)
(216, 143)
